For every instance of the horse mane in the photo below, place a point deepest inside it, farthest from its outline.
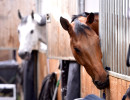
(80, 27)
(24, 20)
(84, 14)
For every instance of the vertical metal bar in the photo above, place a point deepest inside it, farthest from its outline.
(129, 28)
(104, 34)
(106, 17)
(121, 27)
(103, 28)
(101, 22)
(116, 37)
(108, 10)
(124, 37)
(81, 6)
(112, 3)
(113, 35)
(116, 34)
(109, 34)
(127, 43)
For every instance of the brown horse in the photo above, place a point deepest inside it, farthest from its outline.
(85, 46)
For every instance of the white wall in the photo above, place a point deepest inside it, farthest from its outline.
(92, 5)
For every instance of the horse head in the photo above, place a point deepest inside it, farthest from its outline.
(85, 46)
(30, 31)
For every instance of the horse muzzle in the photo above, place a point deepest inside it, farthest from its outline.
(24, 55)
(102, 85)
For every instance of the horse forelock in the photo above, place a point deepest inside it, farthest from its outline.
(24, 20)
(85, 14)
(80, 27)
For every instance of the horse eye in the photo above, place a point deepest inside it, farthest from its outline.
(77, 50)
(31, 31)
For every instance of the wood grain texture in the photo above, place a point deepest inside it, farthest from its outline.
(87, 86)
(117, 89)
(6, 55)
(58, 38)
(42, 69)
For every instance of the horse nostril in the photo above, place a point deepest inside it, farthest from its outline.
(102, 85)
(26, 53)
(21, 55)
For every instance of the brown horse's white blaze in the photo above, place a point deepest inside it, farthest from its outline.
(85, 46)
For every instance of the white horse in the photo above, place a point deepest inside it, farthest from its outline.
(31, 30)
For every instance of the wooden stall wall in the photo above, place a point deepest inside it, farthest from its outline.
(58, 38)
(9, 20)
(6, 55)
(87, 86)
(116, 90)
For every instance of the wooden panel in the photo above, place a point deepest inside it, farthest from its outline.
(42, 69)
(128, 85)
(113, 88)
(6, 55)
(58, 38)
(123, 88)
(87, 86)
(117, 89)
(119, 81)
(9, 20)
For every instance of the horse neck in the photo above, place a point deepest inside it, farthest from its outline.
(42, 33)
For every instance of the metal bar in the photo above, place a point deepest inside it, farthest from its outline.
(124, 38)
(115, 39)
(110, 33)
(106, 30)
(118, 38)
(121, 27)
(124, 53)
(81, 6)
(103, 28)
(129, 28)
(113, 33)
(106, 33)
(127, 32)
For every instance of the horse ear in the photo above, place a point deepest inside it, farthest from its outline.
(42, 21)
(86, 13)
(19, 15)
(32, 14)
(64, 23)
(90, 18)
